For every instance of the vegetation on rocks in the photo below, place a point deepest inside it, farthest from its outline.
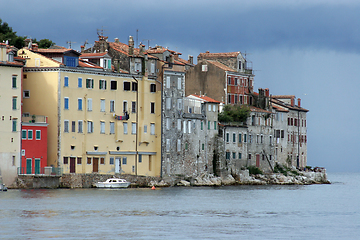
(254, 170)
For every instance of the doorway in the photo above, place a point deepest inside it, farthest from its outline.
(95, 164)
(72, 164)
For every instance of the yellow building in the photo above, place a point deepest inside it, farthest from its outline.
(99, 121)
(10, 114)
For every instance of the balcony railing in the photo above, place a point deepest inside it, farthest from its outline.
(43, 171)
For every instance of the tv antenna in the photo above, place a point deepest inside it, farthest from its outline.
(148, 41)
(69, 43)
(100, 32)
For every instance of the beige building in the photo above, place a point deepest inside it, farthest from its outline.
(10, 114)
(99, 121)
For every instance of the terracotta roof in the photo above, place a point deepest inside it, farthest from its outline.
(83, 63)
(159, 49)
(255, 109)
(123, 48)
(205, 98)
(208, 55)
(92, 54)
(286, 105)
(222, 66)
(283, 96)
(278, 108)
(185, 61)
(52, 50)
(15, 64)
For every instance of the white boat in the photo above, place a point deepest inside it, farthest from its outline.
(113, 183)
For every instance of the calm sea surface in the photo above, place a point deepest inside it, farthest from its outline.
(233, 212)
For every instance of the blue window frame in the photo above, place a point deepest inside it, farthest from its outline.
(66, 81)
(66, 103)
(124, 160)
(140, 158)
(80, 82)
(111, 160)
(79, 104)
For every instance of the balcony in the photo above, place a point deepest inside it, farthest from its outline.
(33, 119)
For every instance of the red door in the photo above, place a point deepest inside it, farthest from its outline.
(72, 165)
(95, 164)
(257, 160)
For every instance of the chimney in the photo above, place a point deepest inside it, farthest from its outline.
(131, 46)
(267, 92)
(299, 102)
(176, 57)
(171, 58)
(207, 52)
(2, 52)
(261, 92)
(191, 59)
(141, 49)
(292, 101)
(34, 47)
(82, 47)
(117, 40)
(27, 41)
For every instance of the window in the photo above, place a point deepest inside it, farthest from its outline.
(102, 105)
(215, 125)
(112, 128)
(133, 107)
(134, 86)
(239, 155)
(152, 87)
(202, 125)
(79, 160)
(124, 162)
(102, 127)
(66, 103)
(26, 93)
(79, 82)
(102, 160)
(14, 101)
(203, 146)
(168, 145)
(234, 155)
(236, 82)
(227, 137)
(234, 137)
(66, 125)
(145, 128)
(23, 134)
(66, 81)
(14, 82)
(113, 85)
(189, 126)
(111, 160)
(214, 108)
(126, 86)
(152, 128)
(168, 103)
(89, 83)
(179, 104)
(178, 145)
(80, 126)
(179, 83)
(227, 155)
(168, 82)
(209, 123)
(152, 107)
(102, 84)
(179, 124)
(125, 106)
(167, 123)
(80, 104)
(30, 134)
(244, 138)
(204, 68)
(88, 160)
(125, 127)
(90, 127)
(112, 106)
(186, 146)
(89, 104)
(133, 128)
(184, 127)
(66, 160)
(249, 155)
(73, 123)
(14, 124)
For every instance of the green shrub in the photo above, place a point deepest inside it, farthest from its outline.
(254, 170)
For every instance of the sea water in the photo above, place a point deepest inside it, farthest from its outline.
(328, 211)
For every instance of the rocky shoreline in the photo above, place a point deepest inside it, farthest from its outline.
(240, 178)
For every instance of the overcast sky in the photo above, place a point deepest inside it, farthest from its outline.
(310, 49)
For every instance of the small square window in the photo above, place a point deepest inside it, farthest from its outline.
(126, 86)
(26, 93)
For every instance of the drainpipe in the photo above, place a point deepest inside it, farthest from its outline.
(137, 125)
(161, 137)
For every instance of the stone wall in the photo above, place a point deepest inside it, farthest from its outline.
(32, 182)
